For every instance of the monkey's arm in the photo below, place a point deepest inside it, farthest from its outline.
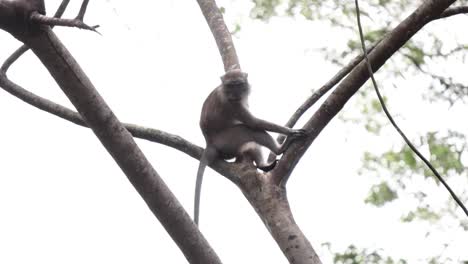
(251, 121)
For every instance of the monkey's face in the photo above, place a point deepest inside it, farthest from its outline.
(237, 90)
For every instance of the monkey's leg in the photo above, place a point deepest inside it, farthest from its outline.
(253, 152)
(241, 140)
(264, 139)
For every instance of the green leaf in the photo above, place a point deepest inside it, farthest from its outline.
(264, 9)
(353, 255)
(381, 194)
(421, 213)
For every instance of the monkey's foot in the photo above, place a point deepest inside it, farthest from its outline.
(269, 167)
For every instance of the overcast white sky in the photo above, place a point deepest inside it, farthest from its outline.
(63, 199)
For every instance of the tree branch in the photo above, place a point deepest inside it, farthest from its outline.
(268, 199)
(150, 134)
(112, 134)
(453, 11)
(310, 101)
(428, 11)
(394, 124)
(21, 50)
(82, 11)
(220, 32)
(64, 22)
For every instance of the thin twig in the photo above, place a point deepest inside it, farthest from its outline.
(390, 118)
(82, 11)
(65, 22)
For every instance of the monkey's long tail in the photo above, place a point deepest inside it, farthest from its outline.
(198, 185)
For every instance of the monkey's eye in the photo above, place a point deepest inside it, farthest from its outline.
(234, 84)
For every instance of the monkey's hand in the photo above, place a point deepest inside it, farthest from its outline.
(297, 133)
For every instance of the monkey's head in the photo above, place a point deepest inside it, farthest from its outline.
(235, 85)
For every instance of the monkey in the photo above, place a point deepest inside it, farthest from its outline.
(231, 131)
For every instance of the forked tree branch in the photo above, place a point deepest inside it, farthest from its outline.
(64, 22)
(343, 72)
(268, 199)
(56, 20)
(309, 102)
(392, 121)
(426, 12)
(21, 50)
(112, 134)
(264, 201)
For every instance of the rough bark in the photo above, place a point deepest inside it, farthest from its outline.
(221, 33)
(112, 134)
(271, 203)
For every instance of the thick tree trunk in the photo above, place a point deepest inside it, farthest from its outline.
(271, 203)
(112, 134)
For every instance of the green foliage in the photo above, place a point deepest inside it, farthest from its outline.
(422, 213)
(306, 8)
(415, 54)
(353, 255)
(222, 10)
(380, 194)
(464, 225)
(264, 9)
(445, 155)
(371, 114)
(379, 17)
(237, 29)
